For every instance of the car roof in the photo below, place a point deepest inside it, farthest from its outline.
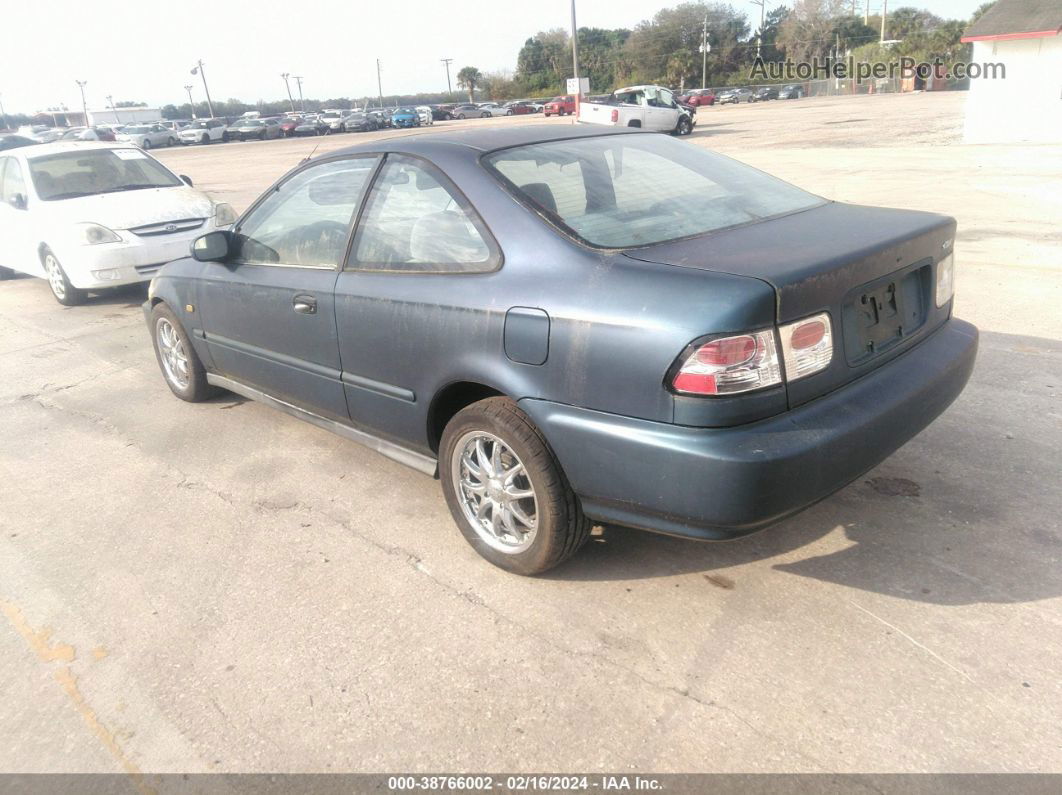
(486, 139)
(58, 147)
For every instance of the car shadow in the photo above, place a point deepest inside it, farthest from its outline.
(966, 512)
(130, 295)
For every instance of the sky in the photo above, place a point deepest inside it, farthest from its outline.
(144, 52)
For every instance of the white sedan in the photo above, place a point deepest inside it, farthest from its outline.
(147, 135)
(494, 109)
(90, 215)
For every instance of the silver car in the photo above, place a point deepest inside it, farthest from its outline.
(147, 136)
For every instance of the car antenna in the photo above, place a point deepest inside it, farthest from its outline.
(309, 155)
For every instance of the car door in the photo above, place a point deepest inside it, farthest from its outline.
(268, 312)
(16, 250)
(407, 302)
(660, 112)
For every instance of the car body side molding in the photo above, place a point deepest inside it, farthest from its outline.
(418, 461)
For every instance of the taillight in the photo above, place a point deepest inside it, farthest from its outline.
(615, 115)
(730, 365)
(945, 280)
(807, 346)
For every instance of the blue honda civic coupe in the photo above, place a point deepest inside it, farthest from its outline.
(569, 326)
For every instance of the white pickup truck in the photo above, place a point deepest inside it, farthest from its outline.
(648, 107)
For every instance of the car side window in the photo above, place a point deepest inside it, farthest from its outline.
(305, 222)
(415, 221)
(13, 182)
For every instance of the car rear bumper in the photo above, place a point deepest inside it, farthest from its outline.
(725, 482)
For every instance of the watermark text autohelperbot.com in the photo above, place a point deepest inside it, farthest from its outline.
(845, 68)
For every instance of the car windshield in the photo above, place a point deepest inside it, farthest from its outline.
(136, 129)
(202, 125)
(621, 191)
(252, 123)
(68, 175)
(405, 110)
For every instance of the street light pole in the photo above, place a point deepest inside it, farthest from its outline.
(114, 110)
(191, 102)
(84, 107)
(287, 85)
(199, 70)
(449, 88)
(884, 11)
(759, 34)
(575, 64)
(379, 83)
(302, 102)
(3, 116)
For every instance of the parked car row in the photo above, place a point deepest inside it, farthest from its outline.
(753, 361)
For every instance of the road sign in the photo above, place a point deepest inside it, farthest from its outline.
(579, 85)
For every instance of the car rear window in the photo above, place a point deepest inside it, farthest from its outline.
(624, 191)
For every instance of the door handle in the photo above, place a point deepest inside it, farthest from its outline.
(304, 304)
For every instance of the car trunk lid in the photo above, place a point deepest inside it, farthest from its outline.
(870, 268)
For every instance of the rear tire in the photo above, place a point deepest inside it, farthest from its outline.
(180, 364)
(526, 534)
(65, 293)
(146, 145)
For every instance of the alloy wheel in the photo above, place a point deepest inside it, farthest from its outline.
(173, 354)
(495, 492)
(55, 276)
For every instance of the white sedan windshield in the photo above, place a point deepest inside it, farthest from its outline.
(621, 191)
(69, 175)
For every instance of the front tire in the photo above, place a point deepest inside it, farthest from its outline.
(181, 367)
(65, 293)
(145, 145)
(506, 491)
(685, 127)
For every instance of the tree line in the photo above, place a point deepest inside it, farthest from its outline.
(667, 48)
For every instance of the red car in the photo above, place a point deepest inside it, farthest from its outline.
(519, 108)
(701, 96)
(288, 125)
(560, 106)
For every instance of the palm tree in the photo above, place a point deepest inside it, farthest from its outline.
(470, 77)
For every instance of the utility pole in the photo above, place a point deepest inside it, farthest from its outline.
(114, 110)
(449, 88)
(884, 11)
(287, 86)
(302, 102)
(3, 116)
(379, 83)
(84, 107)
(575, 64)
(704, 54)
(199, 70)
(866, 13)
(191, 102)
(759, 34)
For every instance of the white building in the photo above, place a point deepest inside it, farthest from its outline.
(123, 115)
(1026, 105)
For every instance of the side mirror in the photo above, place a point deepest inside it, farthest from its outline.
(211, 247)
(18, 201)
(187, 180)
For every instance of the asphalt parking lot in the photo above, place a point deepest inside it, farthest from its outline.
(220, 587)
